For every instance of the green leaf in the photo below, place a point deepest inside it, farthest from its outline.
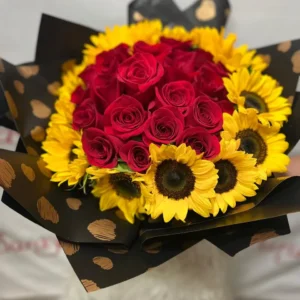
(84, 183)
(123, 167)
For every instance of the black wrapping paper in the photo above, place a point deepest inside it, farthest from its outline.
(102, 248)
(213, 13)
(69, 39)
(3, 104)
(292, 128)
(284, 60)
(167, 11)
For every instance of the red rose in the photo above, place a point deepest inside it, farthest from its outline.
(125, 117)
(226, 106)
(160, 51)
(174, 74)
(136, 155)
(100, 148)
(171, 74)
(108, 61)
(164, 126)
(101, 87)
(180, 94)
(209, 81)
(189, 62)
(221, 70)
(205, 113)
(100, 78)
(86, 115)
(78, 95)
(175, 44)
(104, 90)
(140, 72)
(201, 141)
(88, 74)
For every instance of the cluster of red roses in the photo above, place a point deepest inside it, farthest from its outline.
(167, 93)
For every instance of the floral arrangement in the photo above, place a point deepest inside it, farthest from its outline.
(159, 134)
(161, 121)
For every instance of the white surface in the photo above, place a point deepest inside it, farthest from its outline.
(270, 270)
(257, 273)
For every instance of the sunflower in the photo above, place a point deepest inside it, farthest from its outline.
(223, 50)
(146, 31)
(64, 155)
(208, 39)
(178, 33)
(253, 90)
(119, 190)
(63, 106)
(265, 143)
(179, 180)
(237, 177)
(97, 173)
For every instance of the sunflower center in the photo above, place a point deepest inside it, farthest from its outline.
(124, 186)
(252, 100)
(227, 176)
(174, 180)
(72, 155)
(253, 143)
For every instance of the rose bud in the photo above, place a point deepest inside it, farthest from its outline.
(78, 95)
(140, 71)
(86, 115)
(107, 61)
(179, 94)
(209, 81)
(205, 113)
(201, 141)
(164, 126)
(136, 155)
(125, 118)
(190, 62)
(159, 51)
(100, 148)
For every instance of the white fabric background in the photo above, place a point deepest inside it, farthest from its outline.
(31, 264)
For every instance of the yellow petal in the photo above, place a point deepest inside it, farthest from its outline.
(182, 210)
(221, 203)
(108, 200)
(229, 198)
(169, 211)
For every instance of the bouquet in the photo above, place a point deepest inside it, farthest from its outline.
(159, 136)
